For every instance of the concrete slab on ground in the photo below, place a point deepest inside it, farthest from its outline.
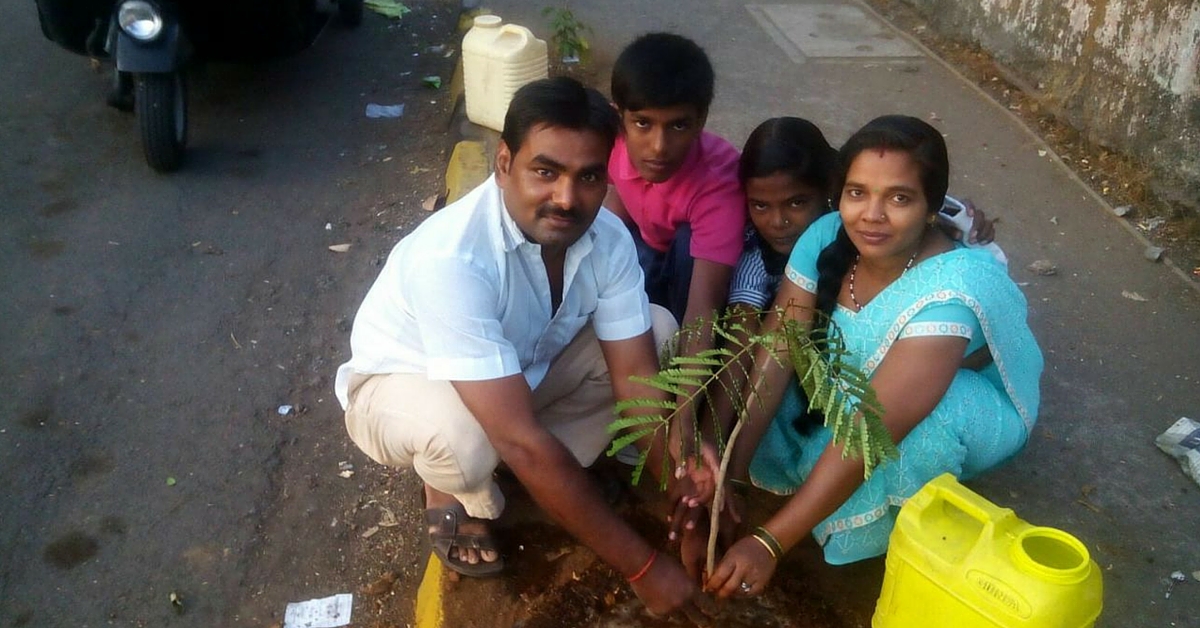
(830, 31)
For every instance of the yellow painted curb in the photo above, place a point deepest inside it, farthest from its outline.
(468, 168)
(429, 595)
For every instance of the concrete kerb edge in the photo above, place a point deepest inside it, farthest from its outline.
(1100, 200)
(468, 167)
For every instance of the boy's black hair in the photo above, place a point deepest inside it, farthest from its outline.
(793, 146)
(560, 102)
(662, 70)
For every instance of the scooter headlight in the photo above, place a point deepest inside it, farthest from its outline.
(140, 20)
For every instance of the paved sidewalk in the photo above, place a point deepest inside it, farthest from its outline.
(1118, 370)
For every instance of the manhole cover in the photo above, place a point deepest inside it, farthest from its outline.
(825, 31)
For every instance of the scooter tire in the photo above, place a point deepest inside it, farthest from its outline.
(160, 104)
(350, 12)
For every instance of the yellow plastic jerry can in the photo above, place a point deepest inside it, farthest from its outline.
(956, 560)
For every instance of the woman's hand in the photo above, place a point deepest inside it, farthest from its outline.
(745, 570)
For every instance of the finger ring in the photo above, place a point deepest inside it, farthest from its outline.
(745, 586)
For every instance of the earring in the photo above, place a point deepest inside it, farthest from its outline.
(932, 218)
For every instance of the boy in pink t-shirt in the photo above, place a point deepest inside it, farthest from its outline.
(673, 183)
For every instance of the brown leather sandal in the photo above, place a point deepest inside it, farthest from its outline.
(444, 535)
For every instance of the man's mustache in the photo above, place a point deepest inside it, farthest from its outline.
(572, 214)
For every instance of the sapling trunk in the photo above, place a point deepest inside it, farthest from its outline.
(714, 517)
(839, 391)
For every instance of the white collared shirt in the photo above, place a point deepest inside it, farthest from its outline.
(466, 297)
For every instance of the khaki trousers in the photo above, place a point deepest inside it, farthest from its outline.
(407, 420)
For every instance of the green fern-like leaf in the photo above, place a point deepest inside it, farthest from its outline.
(624, 440)
(637, 420)
(842, 393)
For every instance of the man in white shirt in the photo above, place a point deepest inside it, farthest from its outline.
(503, 329)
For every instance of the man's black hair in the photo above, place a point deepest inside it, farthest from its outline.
(662, 70)
(560, 102)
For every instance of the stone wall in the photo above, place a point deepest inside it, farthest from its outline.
(1124, 72)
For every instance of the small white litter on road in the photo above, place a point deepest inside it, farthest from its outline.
(384, 111)
(327, 612)
(1182, 441)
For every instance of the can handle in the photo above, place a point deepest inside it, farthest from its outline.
(518, 30)
(949, 490)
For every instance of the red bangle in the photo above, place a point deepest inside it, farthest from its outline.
(645, 568)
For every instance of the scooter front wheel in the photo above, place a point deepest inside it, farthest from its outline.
(160, 103)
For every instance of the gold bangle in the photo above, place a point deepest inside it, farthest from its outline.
(764, 543)
(768, 540)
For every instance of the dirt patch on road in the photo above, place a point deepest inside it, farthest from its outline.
(553, 582)
(340, 523)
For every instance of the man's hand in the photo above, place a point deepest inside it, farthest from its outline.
(667, 589)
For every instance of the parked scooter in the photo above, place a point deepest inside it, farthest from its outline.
(153, 42)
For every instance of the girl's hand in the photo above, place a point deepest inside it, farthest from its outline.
(693, 546)
(693, 540)
(983, 230)
(745, 570)
(969, 226)
(703, 473)
(694, 486)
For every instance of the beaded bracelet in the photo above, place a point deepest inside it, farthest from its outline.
(645, 568)
(768, 540)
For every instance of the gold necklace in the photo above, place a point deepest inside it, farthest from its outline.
(854, 269)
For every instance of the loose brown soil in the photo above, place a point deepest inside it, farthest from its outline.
(552, 581)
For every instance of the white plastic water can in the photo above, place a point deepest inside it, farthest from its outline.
(498, 59)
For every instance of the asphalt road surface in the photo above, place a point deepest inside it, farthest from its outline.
(152, 325)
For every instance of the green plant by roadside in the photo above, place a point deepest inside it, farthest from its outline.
(568, 34)
(388, 8)
(839, 391)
